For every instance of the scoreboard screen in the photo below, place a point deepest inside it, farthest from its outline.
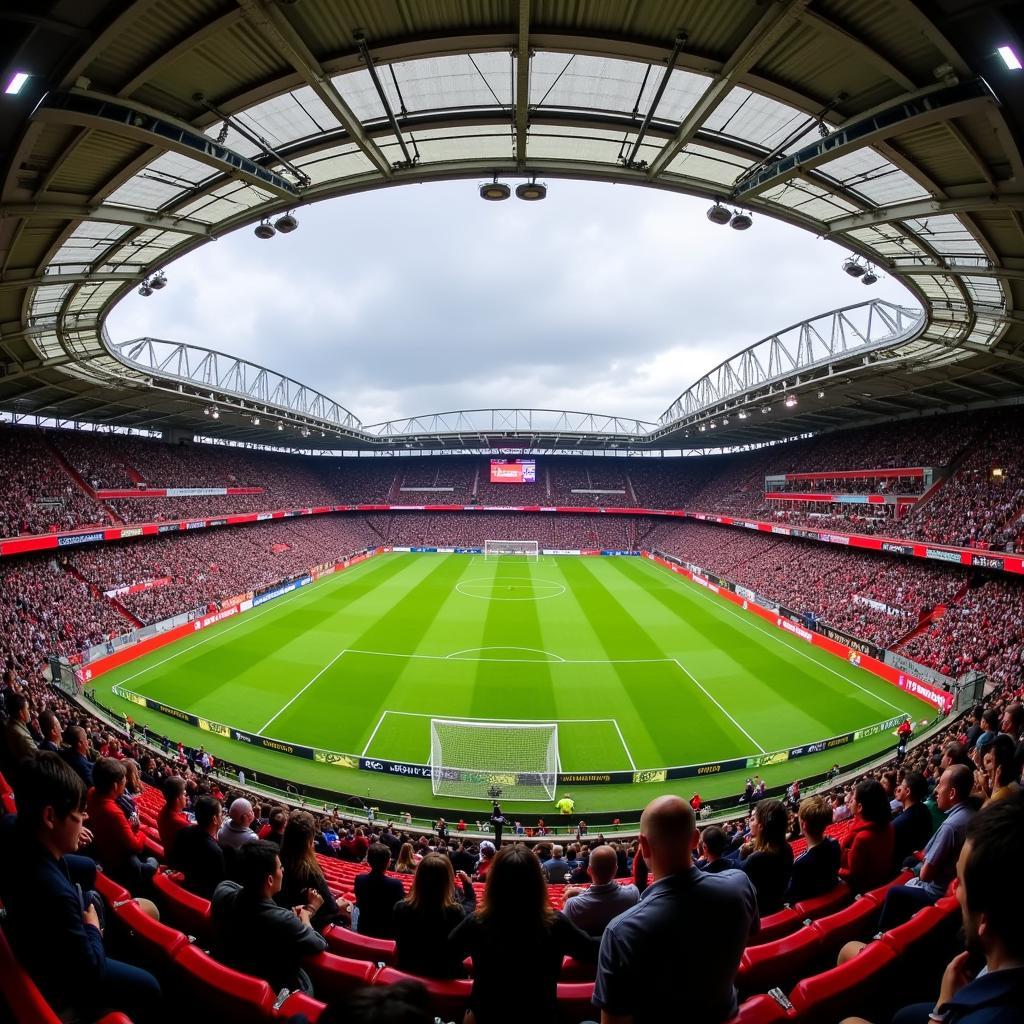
(513, 471)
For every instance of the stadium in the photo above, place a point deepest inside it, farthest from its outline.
(272, 667)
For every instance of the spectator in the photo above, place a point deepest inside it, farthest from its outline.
(999, 779)
(816, 870)
(556, 868)
(767, 858)
(867, 848)
(517, 942)
(303, 877)
(712, 847)
(76, 753)
(401, 1002)
(406, 863)
(486, 860)
(252, 933)
(591, 909)
(938, 865)
(912, 827)
(17, 741)
(117, 843)
(50, 729)
(653, 952)
(236, 831)
(170, 819)
(273, 830)
(196, 852)
(376, 895)
(428, 915)
(55, 937)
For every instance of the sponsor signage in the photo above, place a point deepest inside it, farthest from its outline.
(261, 516)
(792, 627)
(761, 760)
(168, 528)
(195, 526)
(412, 771)
(131, 531)
(942, 555)
(71, 539)
(817, 748)
(193, 492)
(295, 749)
(897, 549)
(986, 562)
(218, 522)
(851, 641)
(874, 730)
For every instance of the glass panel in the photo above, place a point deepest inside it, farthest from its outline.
(766, 122)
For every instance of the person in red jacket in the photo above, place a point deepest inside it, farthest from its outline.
(170, 819)
(117, 843)
(866, 850)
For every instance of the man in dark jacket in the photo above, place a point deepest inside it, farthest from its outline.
(76, 753)
(912, 827)
(196, 852)
(376, 895)
(253, 934)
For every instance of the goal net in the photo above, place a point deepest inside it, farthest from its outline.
(494, 760)
(526, 548)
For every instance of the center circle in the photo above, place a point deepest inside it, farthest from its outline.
(510, 588)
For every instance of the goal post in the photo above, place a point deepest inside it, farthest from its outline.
(494, 760)
(528, 549)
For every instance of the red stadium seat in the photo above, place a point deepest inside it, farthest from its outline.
(299, 1002)
(922, 929)
(576, 970)
(775, 926)
(448, 999)
(575, 1002)
(111, 891)
(760, 1009)
(828, 903)
(224, 993)
(852, 922)
(777, 964)
(153, 940)
(184, 909)
(837, 993)
(335, 976)
(7, 797)
(346, 942)
(879, 894)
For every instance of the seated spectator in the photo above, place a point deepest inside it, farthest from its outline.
(999, 778)
(866, 849)
(556, 868)
(16, 742)
(992, 908)
(401, 1002)
(428, 915)
(654, 956)
(712, 847)
(406, 864)
(196, 852)
(117, 844)
(483, 866)
(591, 909)
(938, 865)
(50, 729)
(76, 753)
(376, 895)
(302, 874)
(253, 934)
(236, 832)
(816, 870)
(273, 830)
(463, 858)
(170, 819)
(55, 934)
(912, 827)
(767, 858)
(517, 943)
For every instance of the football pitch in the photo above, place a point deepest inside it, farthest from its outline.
(639, 668)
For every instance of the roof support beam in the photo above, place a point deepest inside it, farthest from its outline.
(274, 26)
(105, 214)
(959, 270)
(43, 280)
(776, 20)
(987, 202)
(522, 82)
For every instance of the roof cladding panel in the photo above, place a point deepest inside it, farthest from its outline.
(870, 175)
(87, 243)
(704, 162)
(168, 178)
(440, 83)
(947, 235)
(767, 123)
(285, 119)
(583, 144)
(441, 144)
(335, 164)
(86, 166)
(357, 90)
(810, 199)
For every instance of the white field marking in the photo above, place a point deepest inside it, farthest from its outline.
(693, 679)
(774, 635)
(454, 656)
(531, 721)
(380, 721)
(301, 692)
(629, 756)
(515, 661)
(493, 583)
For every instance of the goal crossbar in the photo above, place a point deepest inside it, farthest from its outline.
(529, 549)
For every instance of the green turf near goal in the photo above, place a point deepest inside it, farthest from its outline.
(494, 760)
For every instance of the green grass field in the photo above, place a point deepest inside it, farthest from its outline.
(640, 668)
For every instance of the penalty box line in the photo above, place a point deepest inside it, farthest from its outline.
(532, 721)
(693, 679)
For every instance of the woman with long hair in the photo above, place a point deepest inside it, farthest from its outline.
(302, 874)
(517, 943)
(768, 858)
(866, 850)
(427, 916)
(406, 863)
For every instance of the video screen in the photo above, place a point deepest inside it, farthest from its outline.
(513, 471)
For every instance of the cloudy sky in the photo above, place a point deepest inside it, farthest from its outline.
(603, 298)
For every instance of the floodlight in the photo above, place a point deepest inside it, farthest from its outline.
(741, 221)
(713, 425)
(255, 421)
(531, 191)
(495, 191)
(1010, 59)
(853, 266)
(144, 290)
(790, 401)
(821, 394)
(215, 414)
(17, 83)
(743, 415)
(870, 277)
(158, 281)
(206, 411)
(719, 214)
(702, 427)
(765, 409)
(264, 230)
(725, 421)
(280, 425)
(286, 224)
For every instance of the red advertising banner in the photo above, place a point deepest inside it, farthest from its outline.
(915, 472)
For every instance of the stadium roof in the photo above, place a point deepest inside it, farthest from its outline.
(148, 128)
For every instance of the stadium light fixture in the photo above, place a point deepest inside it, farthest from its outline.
(495, 191)
(145, 290)
(17, 83)
(713, 425)
(532, 191)
(853, 266)
(870, 277)
(215, 414)
(264, 230)
(702, 427)
(158, 280)
(725, 421)
(255, 421)
(286, 224)
(821, 394)
(765, 409)
(280, 425)
(741, 221)
(1010, 59)
(790, 401)
(719, 214)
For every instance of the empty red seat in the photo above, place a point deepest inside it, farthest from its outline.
(335, 976)
(760, 1009)
(184, 909)
(575, 1002)
(113, 892)
(852, 922)
(922, 929)
(222, 992)
(7, 797)
(827, 903)
(577, 970)
(776, 925)
(153, 940)
(879, 894)
(299, 1002)
(346, 942)
(779, 963)
(837, 993)
(448, 999)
